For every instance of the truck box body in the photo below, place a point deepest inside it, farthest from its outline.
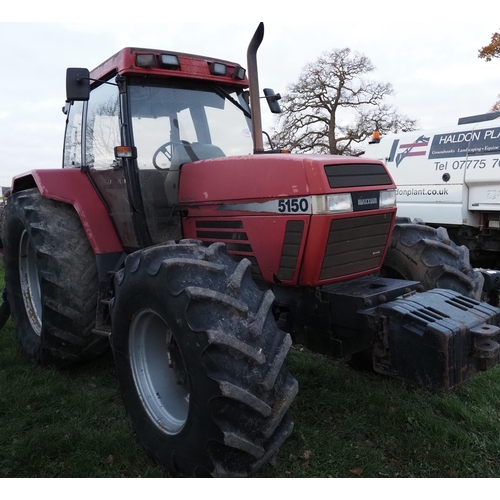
(446, 176)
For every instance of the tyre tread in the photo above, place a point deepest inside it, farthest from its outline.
(426, 254)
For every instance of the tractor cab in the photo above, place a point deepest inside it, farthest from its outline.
(138, 117)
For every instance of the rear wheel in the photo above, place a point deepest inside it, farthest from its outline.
(51, 279)
(423, 253)
(200, 360)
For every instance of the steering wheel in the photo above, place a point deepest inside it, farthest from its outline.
(167, 150)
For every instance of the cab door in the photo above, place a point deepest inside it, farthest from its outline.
(93, 130)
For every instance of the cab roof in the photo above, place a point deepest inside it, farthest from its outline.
(161, 63)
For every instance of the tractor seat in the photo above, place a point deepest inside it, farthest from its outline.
(187, 153)
(153, 191)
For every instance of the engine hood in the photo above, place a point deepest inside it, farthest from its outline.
(269, 176)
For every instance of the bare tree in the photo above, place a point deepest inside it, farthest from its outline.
(496, 106)
(332, 107)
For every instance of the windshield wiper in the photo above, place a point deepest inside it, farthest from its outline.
(223, 93)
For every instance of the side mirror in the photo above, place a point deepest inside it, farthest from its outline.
(272, 100)
(77, 84)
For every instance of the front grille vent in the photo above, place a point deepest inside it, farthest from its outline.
(357, 175)
(210, 230)
(355, 245)
(291, 249)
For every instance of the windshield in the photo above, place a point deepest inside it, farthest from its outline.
(173, 125)
(165, 119)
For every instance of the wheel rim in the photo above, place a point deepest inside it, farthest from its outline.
(30, 283)
(158, 371)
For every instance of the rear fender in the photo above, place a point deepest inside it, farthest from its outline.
(73, 186)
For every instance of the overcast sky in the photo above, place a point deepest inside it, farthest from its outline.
(426, 50)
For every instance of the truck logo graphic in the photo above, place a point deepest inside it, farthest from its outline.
(413, 149)
(466, 143)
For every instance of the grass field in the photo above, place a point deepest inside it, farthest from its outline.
(347, 424)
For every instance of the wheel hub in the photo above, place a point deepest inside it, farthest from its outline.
(30, 282)
(158, 371)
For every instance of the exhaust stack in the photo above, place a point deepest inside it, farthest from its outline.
(253, 77)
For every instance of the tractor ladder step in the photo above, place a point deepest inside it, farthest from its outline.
(104, 330)
(101, 327)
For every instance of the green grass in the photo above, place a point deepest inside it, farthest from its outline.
(347, 423)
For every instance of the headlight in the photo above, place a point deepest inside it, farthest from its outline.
(332, 203)
(388, 198)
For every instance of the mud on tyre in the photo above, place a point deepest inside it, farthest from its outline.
(51, 278)
(422, 253)
(200, 360)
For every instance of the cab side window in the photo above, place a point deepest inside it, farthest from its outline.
(73, 138)
(102, 132)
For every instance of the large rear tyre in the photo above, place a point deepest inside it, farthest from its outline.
(423, 253)
(200, 360)
(51, 278)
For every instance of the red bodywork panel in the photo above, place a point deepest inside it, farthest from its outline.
(73, 186)
(231, 200)
(260, 177)
(261, 207)
(264, 238)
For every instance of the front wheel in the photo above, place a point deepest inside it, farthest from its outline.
(200, 360)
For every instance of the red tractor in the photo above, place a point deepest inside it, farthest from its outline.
(171, 234)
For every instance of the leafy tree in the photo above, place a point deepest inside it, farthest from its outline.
(488, 52)
(492, 50)
(332, 107)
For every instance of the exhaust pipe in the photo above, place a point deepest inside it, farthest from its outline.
(253, 77)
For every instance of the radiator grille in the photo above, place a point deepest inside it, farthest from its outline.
(357, 175)
(355, 245)
(222, 231)
(291, 249)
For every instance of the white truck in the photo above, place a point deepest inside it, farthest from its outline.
(450, 178)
